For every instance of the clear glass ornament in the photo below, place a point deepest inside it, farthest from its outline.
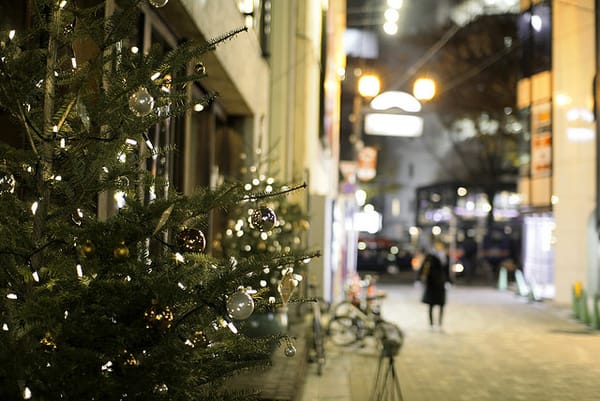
(240, 305)
(290, 351)
(7, 182)
(158, 3)
(200, 69)
(141, 103)
(263, 219)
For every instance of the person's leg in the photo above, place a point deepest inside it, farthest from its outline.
(441, 316)
(431, 315)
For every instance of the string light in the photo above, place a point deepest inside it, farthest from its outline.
(11, 34)
(62, 4)
(148, 141)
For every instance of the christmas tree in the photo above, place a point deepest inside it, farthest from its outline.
(274, 224)
(124, 305)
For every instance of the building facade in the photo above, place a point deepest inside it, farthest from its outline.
(558, 177)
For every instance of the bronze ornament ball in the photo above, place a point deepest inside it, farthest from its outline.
(263, 219)
(191, 240)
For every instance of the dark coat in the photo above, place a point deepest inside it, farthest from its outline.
(434, 274)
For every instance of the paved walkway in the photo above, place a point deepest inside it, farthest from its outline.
(495, 346)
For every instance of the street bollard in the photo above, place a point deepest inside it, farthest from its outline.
(596, 319)
(576, 299)
(503, 279)
(584, 313)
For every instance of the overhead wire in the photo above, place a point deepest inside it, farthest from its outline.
(426, 57)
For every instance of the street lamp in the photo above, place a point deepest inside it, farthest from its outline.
(424, 89)
(368, 85)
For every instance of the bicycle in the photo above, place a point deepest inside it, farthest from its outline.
(317, 350)
(355, 319)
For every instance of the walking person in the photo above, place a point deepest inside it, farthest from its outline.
(434, 274)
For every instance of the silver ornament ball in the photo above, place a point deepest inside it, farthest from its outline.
(141, 102)
(240, 305)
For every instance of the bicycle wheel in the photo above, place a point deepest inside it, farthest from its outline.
(342, 330)
(318, 344)
(345, 308)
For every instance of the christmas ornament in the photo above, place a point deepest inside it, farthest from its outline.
(200, 69)
(163, 219)
(121, 251)
(240, 305)
(68, 29)
(77, 217)
(263, 219)
(129, 359)
(48, 342)
(7, 181)
(290, 351)
(158, 3)
(87, 248)
(191, 240)
(287, 286)
(200, 339)
(161, 389)
(158, 317)
(141, 102)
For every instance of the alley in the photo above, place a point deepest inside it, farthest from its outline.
(494, 346)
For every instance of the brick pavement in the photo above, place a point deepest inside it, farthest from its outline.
(495, 346)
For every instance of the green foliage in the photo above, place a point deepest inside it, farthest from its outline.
(287, 236)
(110, 308)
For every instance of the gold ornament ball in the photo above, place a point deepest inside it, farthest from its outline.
(87, 248)
(200, 339)
(121, 252)
(158, 317)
